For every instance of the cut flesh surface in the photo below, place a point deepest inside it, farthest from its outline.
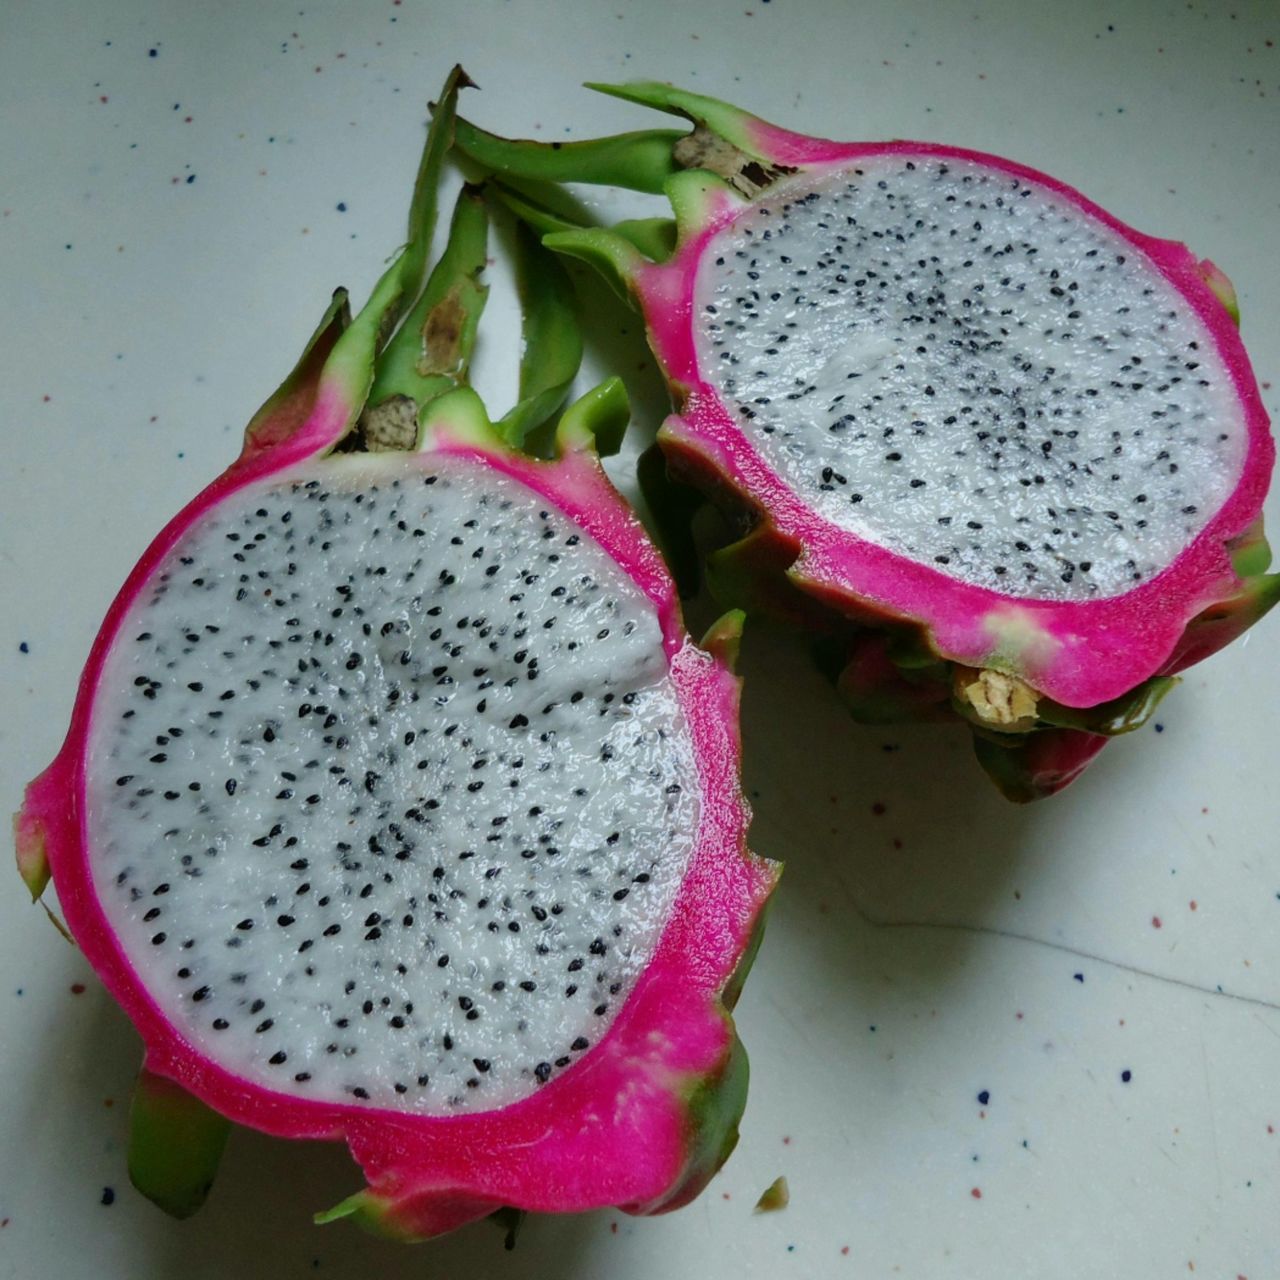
(964, 367)
(390, 792)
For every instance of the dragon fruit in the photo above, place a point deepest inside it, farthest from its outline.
(397, 806)
(1006, 452)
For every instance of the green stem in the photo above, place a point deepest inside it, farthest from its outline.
(412, 266)
(552, 349)
(175, 1144)
(431, 352)
(349, 368)
(732, 123)
(641, 161)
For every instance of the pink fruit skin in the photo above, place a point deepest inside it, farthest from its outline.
(1079, 654)
(613, 1130)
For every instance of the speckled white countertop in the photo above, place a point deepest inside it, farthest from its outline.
(986, 1041)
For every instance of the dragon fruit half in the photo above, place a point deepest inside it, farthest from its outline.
(397, 806)
(1005, 450)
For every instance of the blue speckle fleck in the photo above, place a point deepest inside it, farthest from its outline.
(1126, 1075)
(1079, 977)
(342, 206)
(108, 1195)
(153, 53)
(23, 647)
(984, 1097)
(191, 177)
(1159, 727)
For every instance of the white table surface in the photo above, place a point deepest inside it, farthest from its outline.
(182, 185)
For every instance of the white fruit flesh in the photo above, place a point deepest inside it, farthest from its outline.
(968, 369)
(391, 792)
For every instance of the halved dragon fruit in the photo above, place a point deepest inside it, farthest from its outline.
(398, 808)
(1007, 451)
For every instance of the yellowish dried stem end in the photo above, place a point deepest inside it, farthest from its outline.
(1000, 700)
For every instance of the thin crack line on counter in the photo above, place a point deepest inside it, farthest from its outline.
(1009, 935)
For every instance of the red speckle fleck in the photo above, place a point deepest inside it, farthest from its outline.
(318, 70)
(1193, 904)
(878, 808)
(46, 399)
(77, 988)
(1271, 1128)
(108, 1102)
(786, 1140)
(187, 119)
(976, 1193)
(4, 1222)
(1157, 923)
(844, 1253)
(102, 97)
(1266, 386)
(897, 844)
(613, 1227)
(1018, 1015)
(724, 1195)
